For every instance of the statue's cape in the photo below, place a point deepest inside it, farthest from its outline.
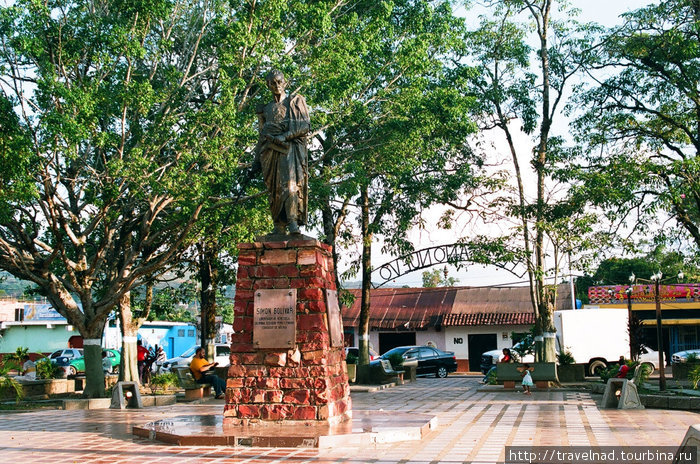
(298, 113)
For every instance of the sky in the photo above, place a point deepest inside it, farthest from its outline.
(604, 12)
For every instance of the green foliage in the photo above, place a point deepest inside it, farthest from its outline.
(45, 369)
(437, 278)
(492, 378)
(7, 382)
(396, 360)
(639, 133)
(18, 356)
(694, 376)
(523, 344)
(692, 358)
(645, 374)
(170, 303)
(351, 358)
(612, 370)
(162, 381)
(565, 358)
(522, 60)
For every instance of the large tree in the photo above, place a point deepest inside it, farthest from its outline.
(639, 135)
(519, 66)
(118, 117)
(390, 125)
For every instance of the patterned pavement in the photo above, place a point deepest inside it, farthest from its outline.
(473, 427)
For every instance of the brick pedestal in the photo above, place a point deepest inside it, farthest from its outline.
(307, 382)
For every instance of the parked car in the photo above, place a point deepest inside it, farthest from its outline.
(356, 352)
(682, 356)
(70, 353)
(223, 352)
(649, 357)
(77, 365)
(430, 361)
(490, 358)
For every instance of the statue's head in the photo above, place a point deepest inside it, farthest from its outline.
(275, 81)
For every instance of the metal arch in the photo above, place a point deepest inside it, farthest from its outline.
(428, 257)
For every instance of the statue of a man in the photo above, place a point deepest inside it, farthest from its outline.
(281, 154)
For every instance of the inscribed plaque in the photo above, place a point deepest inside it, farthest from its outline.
(335, 323)
(275, 318)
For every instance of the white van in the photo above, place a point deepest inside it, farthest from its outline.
(223, 351)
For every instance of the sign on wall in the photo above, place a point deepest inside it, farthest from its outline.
(275, 318)
(335, 323)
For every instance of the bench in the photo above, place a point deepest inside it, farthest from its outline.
(193, 390)
(542, 374)
(384, 372)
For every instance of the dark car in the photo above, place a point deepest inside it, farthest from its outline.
(430, 361)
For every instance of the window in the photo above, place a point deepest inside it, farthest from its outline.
(181, 332)
(412, 354)
(426, 352)
(190, 333)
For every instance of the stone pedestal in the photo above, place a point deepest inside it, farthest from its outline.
(621, 394)
(303, 378)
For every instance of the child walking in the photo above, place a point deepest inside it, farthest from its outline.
(527, 378)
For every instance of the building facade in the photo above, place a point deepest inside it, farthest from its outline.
(466, 320)
(680, 311)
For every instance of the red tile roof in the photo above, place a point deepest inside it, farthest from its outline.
(488, 319)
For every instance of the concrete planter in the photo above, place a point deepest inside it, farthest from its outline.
(158, 400)
(681, 370)
(42, 387)
(571, 373)
(352, 372)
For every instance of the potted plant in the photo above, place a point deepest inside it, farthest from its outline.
(351, 362)
(568, 370)
(681, 370)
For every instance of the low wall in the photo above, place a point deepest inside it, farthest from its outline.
(41, 388)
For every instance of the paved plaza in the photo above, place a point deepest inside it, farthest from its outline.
(473, 427)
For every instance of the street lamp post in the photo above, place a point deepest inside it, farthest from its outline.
(659, 334)
(656, 278)
(630, 328)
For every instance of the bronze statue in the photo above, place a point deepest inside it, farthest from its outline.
(281, 154)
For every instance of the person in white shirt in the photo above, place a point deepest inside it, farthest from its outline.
(28, 369)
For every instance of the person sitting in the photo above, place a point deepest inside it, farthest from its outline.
(624, 369)
(28, 368)
(202, 372)
(106, 363)
(505, 358)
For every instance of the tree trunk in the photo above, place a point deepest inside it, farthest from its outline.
(128, 366)
(549, 350)
(544, 306)
(366, 278)
(92, 351)
(208, 275)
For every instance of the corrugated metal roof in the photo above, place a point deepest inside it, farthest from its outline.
(395, 307)
(417, 308)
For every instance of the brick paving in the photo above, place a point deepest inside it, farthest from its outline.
(473, 427)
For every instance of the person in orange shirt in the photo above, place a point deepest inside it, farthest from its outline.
(201, 368)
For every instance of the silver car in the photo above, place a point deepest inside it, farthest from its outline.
(682, 356)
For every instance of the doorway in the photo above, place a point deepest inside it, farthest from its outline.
(389, 340)
(478, 344)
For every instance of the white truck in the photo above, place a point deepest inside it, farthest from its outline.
(596, 337)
